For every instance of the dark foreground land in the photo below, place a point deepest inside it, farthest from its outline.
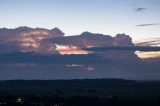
(93, 92)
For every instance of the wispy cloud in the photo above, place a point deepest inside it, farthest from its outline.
(139, 9)
(143, 25)
(136, 8)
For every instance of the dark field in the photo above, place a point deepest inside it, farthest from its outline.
(93, 92)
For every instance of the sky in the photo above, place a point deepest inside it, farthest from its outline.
(138, 18)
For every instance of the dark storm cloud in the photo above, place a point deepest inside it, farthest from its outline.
(87, 39)
(135, 48)
(39, 41)
(20, 57)
(54, 67)
(36, 45)
(112, 57)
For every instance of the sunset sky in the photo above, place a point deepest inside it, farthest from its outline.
(76, 16)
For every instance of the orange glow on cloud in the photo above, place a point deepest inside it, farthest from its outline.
(145, 55)
(65, 49)
(30, 41)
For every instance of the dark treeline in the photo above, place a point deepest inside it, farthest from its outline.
(85, 92)
(54, 100)
(77, 83)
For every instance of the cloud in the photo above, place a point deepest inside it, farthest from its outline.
(124, 53)
(154, 42)
(44, 41)
(69, 49)
(145, 55)
(28, 39)
(143, 25)
(139, 9)
(54, 67)
(135, 48)
(107, 60)
(87, 39)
